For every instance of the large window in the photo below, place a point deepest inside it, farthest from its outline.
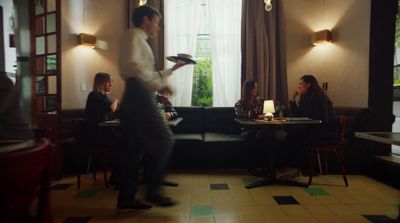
(210, 30)
(202, 75)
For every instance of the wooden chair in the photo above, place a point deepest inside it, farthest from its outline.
(24, 176)
(83, 150)
(314, 151)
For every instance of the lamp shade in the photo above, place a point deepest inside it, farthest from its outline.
(323, 36)
(86, 39)
(269, 107)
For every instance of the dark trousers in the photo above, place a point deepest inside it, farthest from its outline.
(144, 133)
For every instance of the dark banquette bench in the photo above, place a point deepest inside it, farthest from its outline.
(210, 138)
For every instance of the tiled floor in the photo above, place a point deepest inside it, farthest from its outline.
(220, 196)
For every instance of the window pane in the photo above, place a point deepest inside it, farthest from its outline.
(51, 5)
(39, 25)
(41, 85)
(51, 23)
(39, 45)
(51, 62)
(52, 85)
(40, 65)
(39, 7)
(51, 44)
(51, 103)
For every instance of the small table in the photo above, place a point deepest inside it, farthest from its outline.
(391, 138)
(171, 123)
(271, 127)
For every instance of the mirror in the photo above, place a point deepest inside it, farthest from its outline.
(51, 23)
(51, 5)
(40, 65)
(51, 44)
(51, 62)
(52, 85)
(39, 25)
(41, 85)
(40, 45)
(39, 7)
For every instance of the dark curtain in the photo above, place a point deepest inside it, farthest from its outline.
(263, 56)
(158, 43)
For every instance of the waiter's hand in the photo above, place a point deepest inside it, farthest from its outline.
(167, 90)
(178, 65)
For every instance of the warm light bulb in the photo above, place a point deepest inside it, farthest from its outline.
(268, 5)
(142, 2)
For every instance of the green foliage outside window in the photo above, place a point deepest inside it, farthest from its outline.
(202, 83)
(396, 73)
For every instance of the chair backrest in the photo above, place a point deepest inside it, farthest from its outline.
(77, 125)
(24, 175)
(341, 120)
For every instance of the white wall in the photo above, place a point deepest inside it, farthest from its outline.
(344, 64)
(10, 54)
(103, 18)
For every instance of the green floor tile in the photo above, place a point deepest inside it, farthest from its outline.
(202, 210)
(316, 191)
(87, 193)
(249, 180)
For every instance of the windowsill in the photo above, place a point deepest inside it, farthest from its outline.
(393, 159)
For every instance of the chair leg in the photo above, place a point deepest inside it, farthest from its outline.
(93, 171)
(311, 157)
(326, 163)
(104, 164)
(341, 163)
(78, 176)
(319, 161)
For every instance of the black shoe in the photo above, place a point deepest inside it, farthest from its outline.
(132, 205)
(161, 200)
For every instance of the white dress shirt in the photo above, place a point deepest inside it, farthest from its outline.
(137, 60)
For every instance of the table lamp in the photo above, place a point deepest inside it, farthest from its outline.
(269, 108)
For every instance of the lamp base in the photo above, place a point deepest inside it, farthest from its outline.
(269, 117)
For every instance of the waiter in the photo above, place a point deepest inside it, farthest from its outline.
(144, 129)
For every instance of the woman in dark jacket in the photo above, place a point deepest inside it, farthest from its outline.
(315, 104)
(99, 109)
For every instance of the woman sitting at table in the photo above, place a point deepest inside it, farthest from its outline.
(250, 106)
(315, 104)
(99, 109)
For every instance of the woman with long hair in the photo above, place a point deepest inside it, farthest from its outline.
(314, 103)
(250, 105)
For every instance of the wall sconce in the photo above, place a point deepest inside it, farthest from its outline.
(268, 5)
(86, 39)
(320, 37)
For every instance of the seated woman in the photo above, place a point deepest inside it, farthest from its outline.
(250, 106)
(314, 104)
(99, 109)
